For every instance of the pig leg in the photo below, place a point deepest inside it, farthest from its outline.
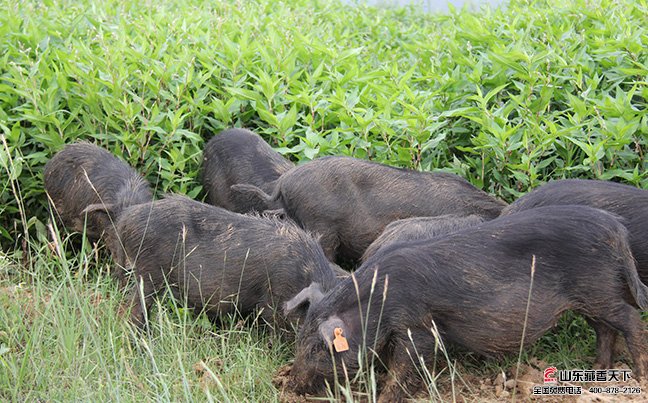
(404, 376)
(605, 338)
(139, 300)
(393, 390)
(627, 320)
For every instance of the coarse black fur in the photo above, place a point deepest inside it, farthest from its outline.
(629, 202)
(240, 156)
(474, 284)
(350, 201)
(417, 228)
(83, 175)
(218, 261)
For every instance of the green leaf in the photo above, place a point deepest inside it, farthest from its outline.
(288, 120)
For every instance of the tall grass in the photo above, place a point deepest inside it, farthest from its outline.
(62, 339)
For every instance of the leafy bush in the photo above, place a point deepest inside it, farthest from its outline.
(506, 98)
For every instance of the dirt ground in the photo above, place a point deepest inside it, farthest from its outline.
(503, 387)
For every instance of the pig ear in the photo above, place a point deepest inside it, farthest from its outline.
(328, 329)
(311, 294)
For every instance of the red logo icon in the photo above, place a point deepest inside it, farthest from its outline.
(549, 375)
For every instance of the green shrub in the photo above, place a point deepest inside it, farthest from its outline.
(508, 99)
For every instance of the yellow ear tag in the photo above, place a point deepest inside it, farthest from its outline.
(340, 342)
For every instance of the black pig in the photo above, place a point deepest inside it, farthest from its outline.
(474, 285)
(216, 260)
(417, 228)
(629, 202)
(350, 201)
(240, 156)
(84, 176)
